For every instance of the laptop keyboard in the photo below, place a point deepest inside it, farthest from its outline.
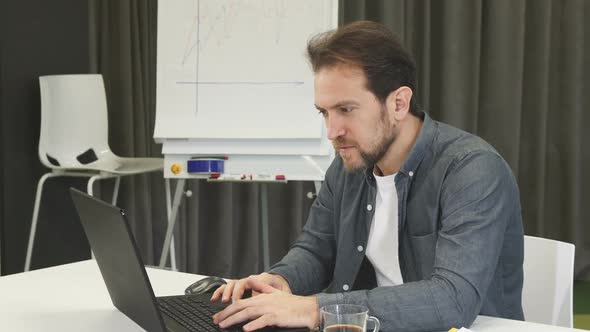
(192, 313)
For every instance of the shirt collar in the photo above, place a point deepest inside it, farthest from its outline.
(418, 151)
(422, 146)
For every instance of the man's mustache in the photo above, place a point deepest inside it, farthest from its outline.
(341, 143)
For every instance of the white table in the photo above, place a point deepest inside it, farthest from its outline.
(73, 297)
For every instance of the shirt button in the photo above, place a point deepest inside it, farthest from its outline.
(369, 207)
(359, 248)
(411, 173)
(345, 287)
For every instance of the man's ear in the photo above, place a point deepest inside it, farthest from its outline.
(398, 102)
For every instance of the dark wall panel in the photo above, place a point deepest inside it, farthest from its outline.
(36, 38)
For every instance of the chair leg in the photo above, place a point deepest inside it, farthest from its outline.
(35, 218)
(116, 190)
(89, 188)
(90, 184)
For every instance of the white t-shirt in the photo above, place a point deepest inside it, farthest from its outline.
(382, 246)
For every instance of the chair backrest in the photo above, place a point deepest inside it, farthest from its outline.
(547, 295)
(74, 120)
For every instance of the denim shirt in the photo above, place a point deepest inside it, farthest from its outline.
(460, 237)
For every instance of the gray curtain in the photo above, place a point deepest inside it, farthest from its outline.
(123, 50)
(514, 72)
(511, 71)
(219, 226)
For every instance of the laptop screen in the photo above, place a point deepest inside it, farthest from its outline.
(118, 260)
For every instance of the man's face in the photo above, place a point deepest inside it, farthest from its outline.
(358, 124)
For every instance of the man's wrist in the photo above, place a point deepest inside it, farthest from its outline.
(314, 312)
(283, 281)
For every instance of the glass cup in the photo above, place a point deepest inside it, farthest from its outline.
(346, 318)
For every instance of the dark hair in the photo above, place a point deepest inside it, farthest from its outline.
(372, 47)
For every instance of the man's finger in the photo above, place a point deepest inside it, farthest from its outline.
(248, 313)
(229, 310)
(262, 321)
(228, 291)
(217, 293)
(238, 291)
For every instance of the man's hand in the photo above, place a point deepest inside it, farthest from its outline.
(235, 289)
(272, 307)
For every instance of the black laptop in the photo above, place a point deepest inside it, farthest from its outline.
(124, 274)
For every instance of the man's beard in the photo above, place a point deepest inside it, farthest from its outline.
(370, 158)
(376, 153)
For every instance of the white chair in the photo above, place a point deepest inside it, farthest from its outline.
(74, 139)
(547, 295)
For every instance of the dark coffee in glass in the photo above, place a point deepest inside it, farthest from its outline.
(343, 328)
(346, 318)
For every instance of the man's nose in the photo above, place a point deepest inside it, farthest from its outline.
(334, 128)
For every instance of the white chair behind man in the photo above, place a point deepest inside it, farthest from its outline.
(74, 140)
(547, 295)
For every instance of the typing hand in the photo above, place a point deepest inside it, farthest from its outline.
(272, 307)
(235, 289)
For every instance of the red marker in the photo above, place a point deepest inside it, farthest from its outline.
(215, 175)
(280, 177)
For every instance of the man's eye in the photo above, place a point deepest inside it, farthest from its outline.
(346, 109)
(322, 113)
